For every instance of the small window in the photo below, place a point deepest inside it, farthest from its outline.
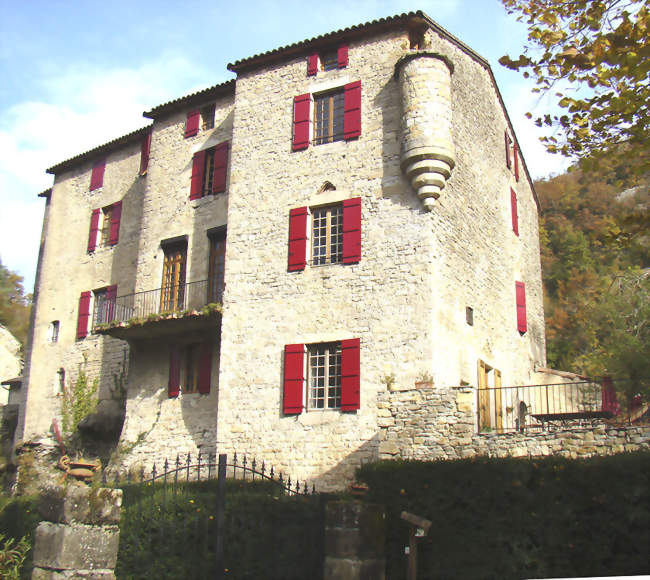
(105, 232)
(329, 60)
(216, 266)
(329, 117)
(207, 117)
(100, 307)
(54, 331)
(190, 357)
(60, 381)
(327, 235)
(469, 315)
(324, 376)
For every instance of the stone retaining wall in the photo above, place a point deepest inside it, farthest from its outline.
(432, 423)
(80, 538)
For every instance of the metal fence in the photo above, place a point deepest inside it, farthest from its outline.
(175, 298)
(203, 517)
(535, 407)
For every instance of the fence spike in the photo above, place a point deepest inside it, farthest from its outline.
(263, 468)
(153, 473)
(198, 467)
(253, 469)
(141, 473)
(272, 474)
(128, 476)
(313, 488)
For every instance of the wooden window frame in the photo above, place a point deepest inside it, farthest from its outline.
(329, 109)
(105, 230)
(172, 288)
(207, 117)
(216, 265)
(328, 373)
(190, 361)
(332, 237)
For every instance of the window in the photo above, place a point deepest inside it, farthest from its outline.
(109, 233)
(469, 315)
(328, 117)
(327, 60)
(336, 116)
(216, 265)
(190, 368)
(172, 295)
(104, 305)
(327, 235)
(207, 117)
(335, 233)
(54, 331)
(60, 381)
(97, 175)
(322, 376)
(209, 171)
(83, 315)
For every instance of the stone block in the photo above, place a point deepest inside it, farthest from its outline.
(342, 542)
(76, 546)
(86, 505)
(388, 447)
(348, 569)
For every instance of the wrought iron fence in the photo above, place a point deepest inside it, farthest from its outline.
(535, 407)
(203, 516)
(175, 298)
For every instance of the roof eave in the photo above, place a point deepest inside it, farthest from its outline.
(197, 98)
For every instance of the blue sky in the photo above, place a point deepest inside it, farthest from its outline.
(76, 74)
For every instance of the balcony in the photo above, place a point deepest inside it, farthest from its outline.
(190, 307)
(540, 407)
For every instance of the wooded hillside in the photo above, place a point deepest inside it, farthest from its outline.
(595, 245)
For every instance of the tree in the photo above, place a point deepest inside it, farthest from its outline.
(15, 305)
(596, 55)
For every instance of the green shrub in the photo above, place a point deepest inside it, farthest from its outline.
(12, 556)
(518, 518)
(18, 520)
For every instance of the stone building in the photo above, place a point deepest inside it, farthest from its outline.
(272, 255)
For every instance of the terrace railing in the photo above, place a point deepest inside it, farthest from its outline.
(175, 298)
(535, 407)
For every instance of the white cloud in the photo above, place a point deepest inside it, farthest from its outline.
(78, 109)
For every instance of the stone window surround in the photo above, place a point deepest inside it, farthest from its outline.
(317, 88)
(315, 355)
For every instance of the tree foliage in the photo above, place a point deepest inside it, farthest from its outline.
(15, 305)
(595, 55)
(597, 288)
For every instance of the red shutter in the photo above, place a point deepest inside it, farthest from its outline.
(352, 230)
(298, 239)
(301, 112)
(192, 123)
(205, 367)
(220, 171)
(84, 315)
(507, 138)
(312, 65)
(516, 155)
(144, 153)
(115, 223)
(97, 175)
(343, 56)
(352, 111)
(111, 295)
(198, 167)
(513, 206)
(173, 386)
(520, 289)
(350, 374)
(94, 228)
(294, 374)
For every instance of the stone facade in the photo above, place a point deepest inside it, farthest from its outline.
(430, 173)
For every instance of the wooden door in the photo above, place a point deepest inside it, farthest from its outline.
(483, 397)
(173, 281)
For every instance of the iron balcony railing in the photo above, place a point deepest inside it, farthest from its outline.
(175, 298)
(535, 407)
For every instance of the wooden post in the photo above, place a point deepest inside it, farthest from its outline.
(412, 570)
(221, 515)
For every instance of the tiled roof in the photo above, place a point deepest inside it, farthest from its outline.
(97, 151)
(188, 100)
(371, 27)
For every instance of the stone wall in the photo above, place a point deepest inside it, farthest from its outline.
(430, 423)
(80, 536)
